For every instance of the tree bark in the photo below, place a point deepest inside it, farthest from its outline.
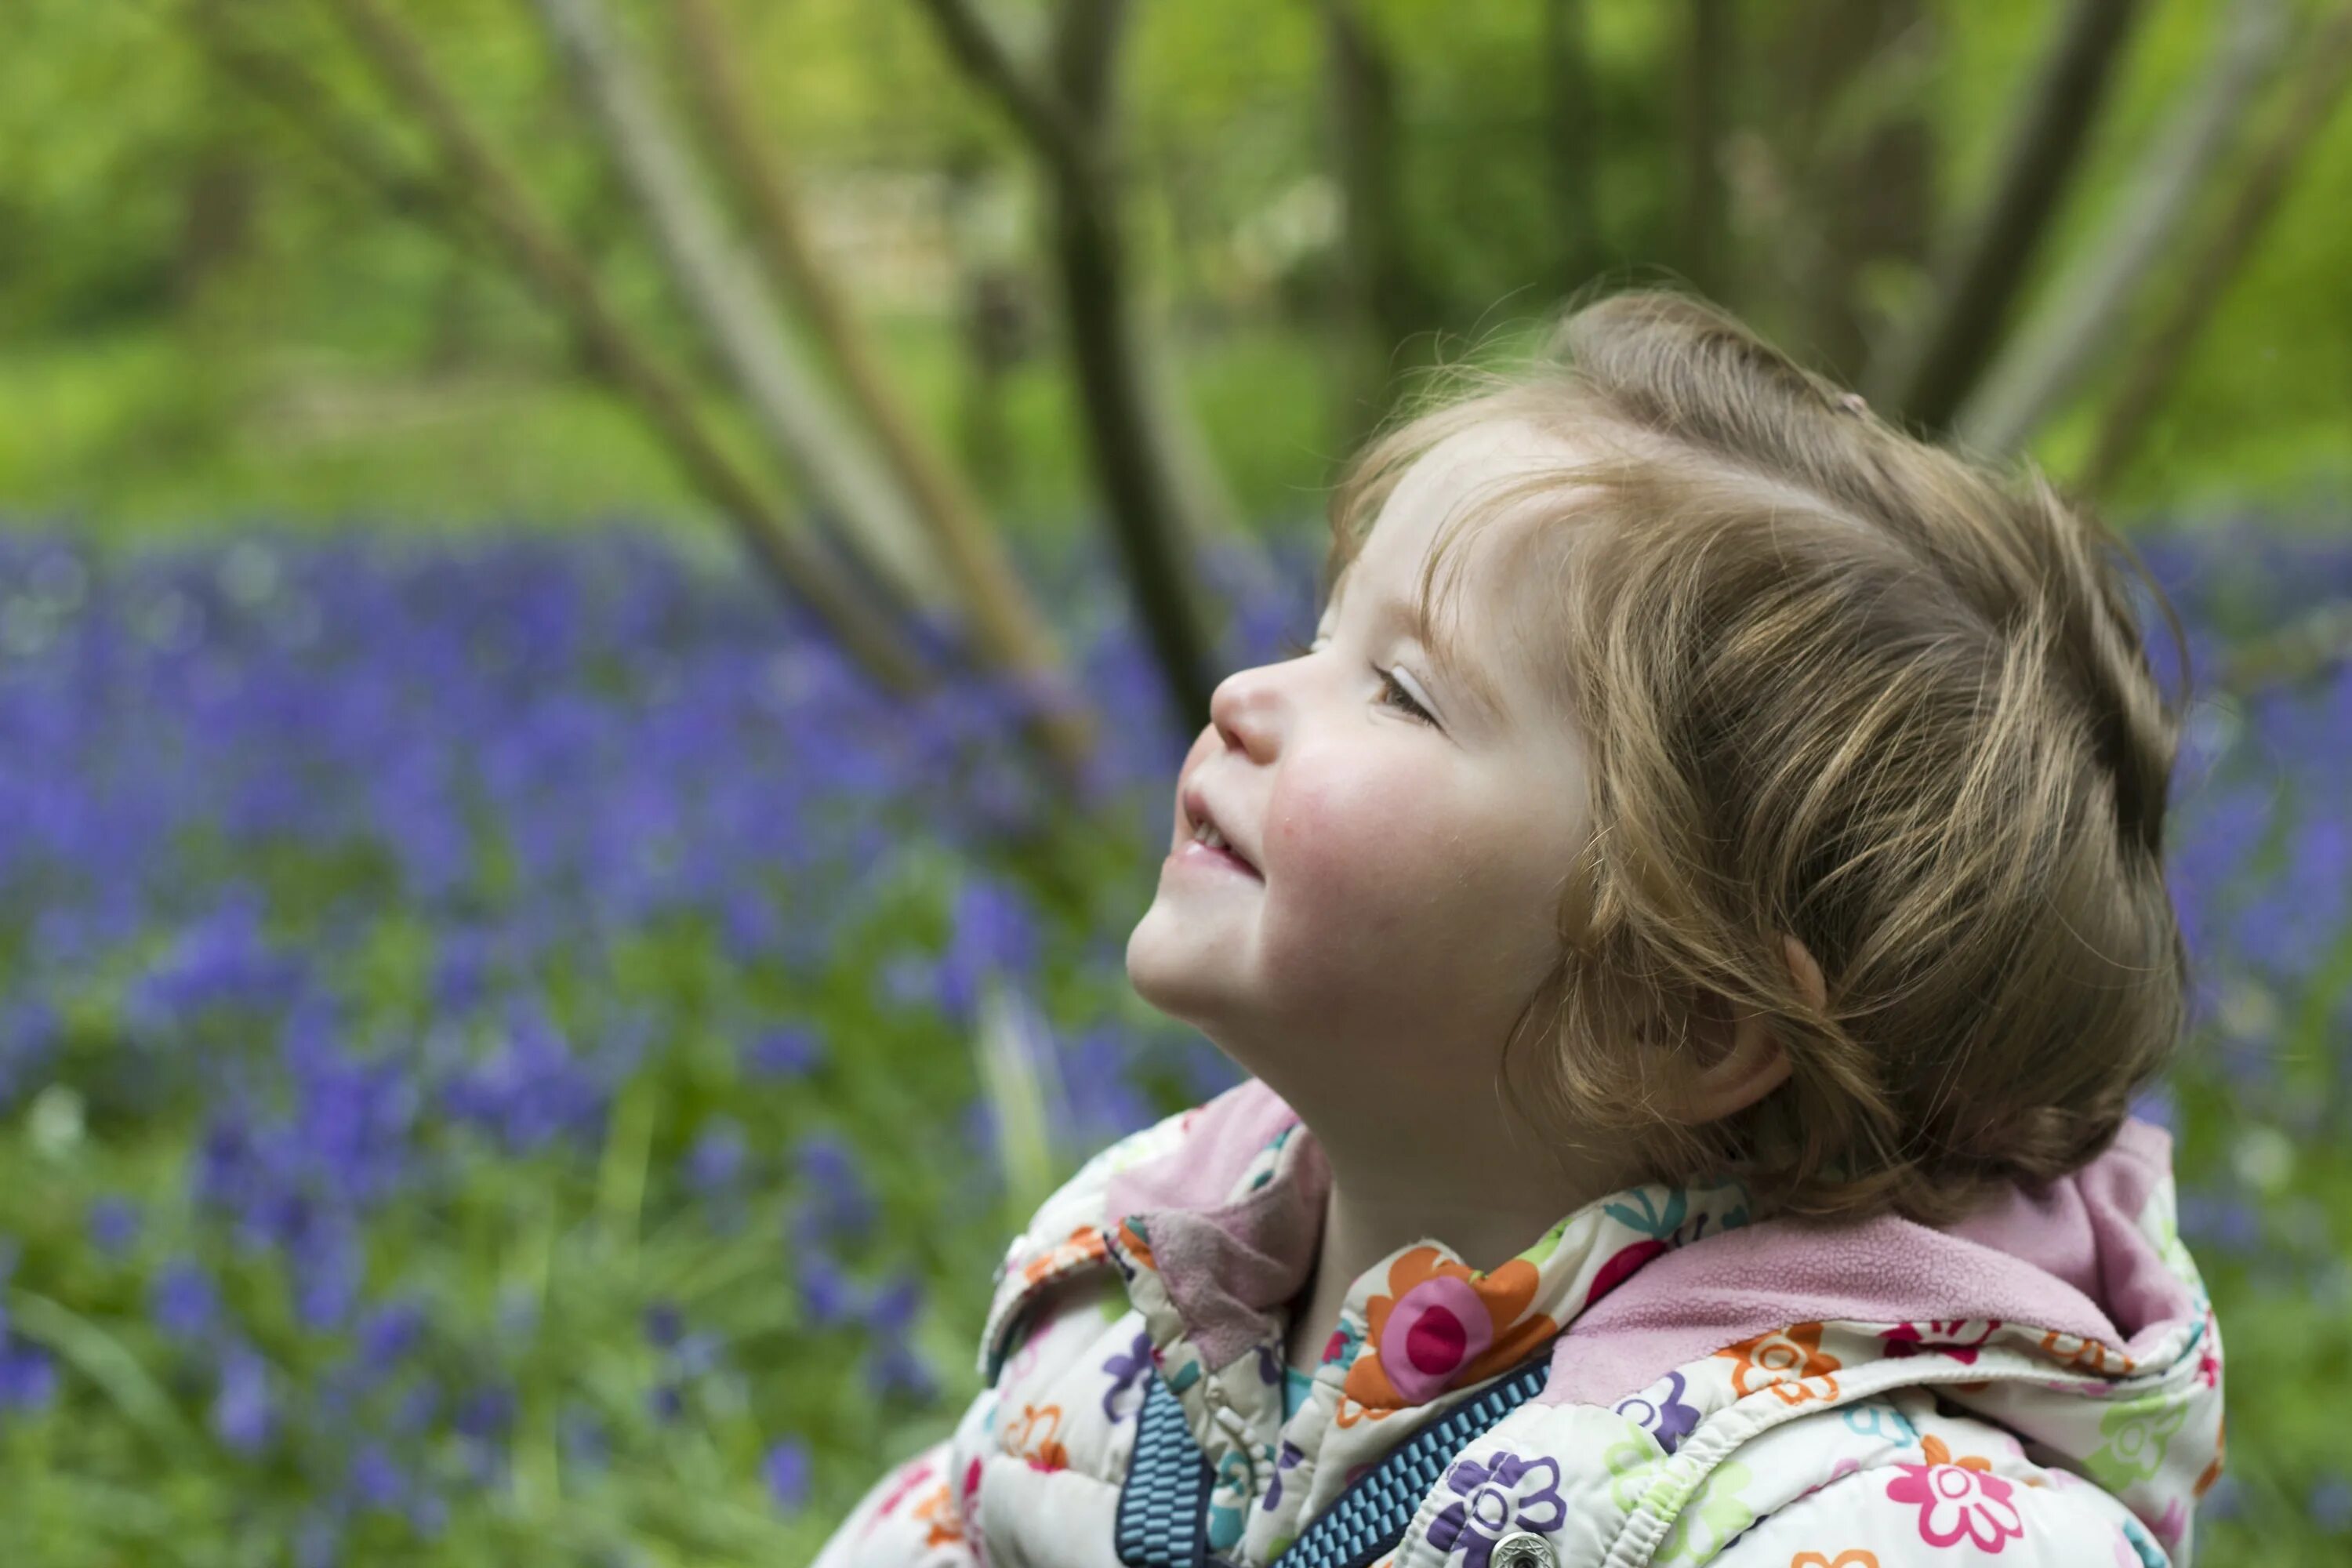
(796, 563)
(2314, 93)
(1065, 115)
(2048, 359)
(1013, 636)
(1942, 358)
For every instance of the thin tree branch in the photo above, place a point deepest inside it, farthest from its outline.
(768, 531)
(1014, 635)
(1043, 119)
(1953, 342)
(787, 403)
(2313, 96)
(306, 104)
(1134, 452)
(2049, 357)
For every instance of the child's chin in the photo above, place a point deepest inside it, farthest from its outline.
(1177, 976)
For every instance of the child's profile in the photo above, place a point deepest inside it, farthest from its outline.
(1694, 920)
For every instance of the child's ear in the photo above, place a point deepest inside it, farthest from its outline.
(1736, 1061)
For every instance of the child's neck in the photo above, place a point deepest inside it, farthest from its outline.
(1356, 1234)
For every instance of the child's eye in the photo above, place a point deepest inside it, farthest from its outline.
(1390, 687)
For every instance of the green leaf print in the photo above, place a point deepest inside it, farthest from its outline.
(1711, 1518)
(1650, 1220)
(2137, 1432)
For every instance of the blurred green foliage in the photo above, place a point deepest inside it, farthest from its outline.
(207, 317)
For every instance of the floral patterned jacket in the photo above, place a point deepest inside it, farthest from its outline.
(2040, 1384)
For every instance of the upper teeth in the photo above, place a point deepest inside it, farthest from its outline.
(1207, 833)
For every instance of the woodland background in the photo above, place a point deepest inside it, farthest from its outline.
(599, 600)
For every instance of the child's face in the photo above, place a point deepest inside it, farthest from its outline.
(1400, 899)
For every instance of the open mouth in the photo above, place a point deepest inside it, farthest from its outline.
(1207, 844)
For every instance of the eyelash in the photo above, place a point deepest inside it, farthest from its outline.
(1294, 648)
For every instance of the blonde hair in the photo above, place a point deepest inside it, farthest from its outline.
(1836, 681)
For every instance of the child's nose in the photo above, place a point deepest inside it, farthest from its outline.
(1241, 711)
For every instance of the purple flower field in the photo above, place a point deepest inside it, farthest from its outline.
(513, 1051)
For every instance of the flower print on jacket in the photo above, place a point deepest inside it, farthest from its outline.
(1660, 1412)
(2137, 1433)
(1127, 1371)
(1940, 1337)
(1958, 1498)
(1442, 1325)
(1785, 1361)
(1505, 1493)
(1035, 1437)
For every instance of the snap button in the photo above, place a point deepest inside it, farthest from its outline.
(1523, 1549)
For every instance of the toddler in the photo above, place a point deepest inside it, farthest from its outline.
(1695, 921)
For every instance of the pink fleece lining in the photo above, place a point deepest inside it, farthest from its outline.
(2069, 1258)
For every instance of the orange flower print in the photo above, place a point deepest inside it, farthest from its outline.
(1442, 1325)
(1024, 1440)
(1940, 1453)
(937, 1510)
(2087, 1355)
(1081, 1246)
(1132, 1242)
(1852, 1557)
(1786, 1361)
(2213, 1472)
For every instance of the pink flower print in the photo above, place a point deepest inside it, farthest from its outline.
(1944, 1336)
(1436, 1330)
(1958, 1500)
(1504, 1494)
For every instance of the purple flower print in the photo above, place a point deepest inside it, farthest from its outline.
(1291, 1454)
(1504, 1494)
(1126, 1373)
(1665, 1417)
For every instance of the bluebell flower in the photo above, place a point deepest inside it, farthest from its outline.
(387, 1333)
(113, 1226)
(245, 1411)
(2330, 1503)
(828, 1298)
(29, 1378)
(375, 1479)
(838, 1203)
(789, 1053)
(665, 1324)
(787, 1472)
(894, 1372)
(717, 1159)
(183, 1299)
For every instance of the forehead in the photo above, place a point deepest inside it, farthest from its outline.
(1498, 480)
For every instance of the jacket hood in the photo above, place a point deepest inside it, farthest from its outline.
(2071, 1315)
